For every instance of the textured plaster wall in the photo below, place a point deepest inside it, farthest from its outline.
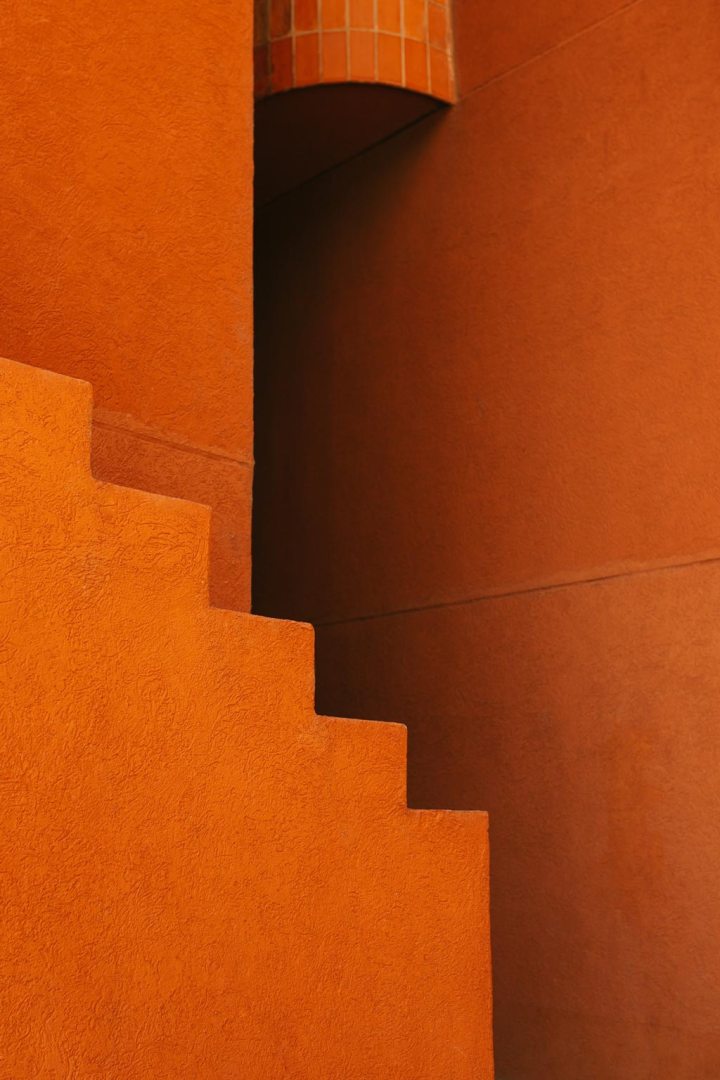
(126, 222)
(495, 374)
(201, 877)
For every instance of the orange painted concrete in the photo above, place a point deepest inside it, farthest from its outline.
(126, 216)
(487, 365)
(201, 877)
(587, 720)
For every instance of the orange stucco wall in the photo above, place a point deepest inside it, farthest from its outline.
(201, 877)
(126, 218)
(487, 374)
(586, 720)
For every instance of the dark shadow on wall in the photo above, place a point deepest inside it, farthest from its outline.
(478, 367)
(300, 134)
(340, 501)
(331, 512)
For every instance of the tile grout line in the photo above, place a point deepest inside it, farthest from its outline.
(321, 42)
(347, 40)
(403, 66)
(426, 35)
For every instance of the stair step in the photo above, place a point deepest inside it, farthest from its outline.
(270, 661)
(368, 760)
(172, 794)
(46, 423)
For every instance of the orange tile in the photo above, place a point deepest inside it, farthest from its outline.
(440, 82)
(281, 64)
(280, 18)
(416, 66)
(389, 59)
(362, 13)
(262, 71)
(389, 15)
(362, 55)
(334, 14)
(437, 26)
(260, 27)
(334, 57)
(414, 19)
(306, 15)
(307, 59)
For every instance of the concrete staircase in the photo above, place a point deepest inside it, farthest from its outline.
(201, 878)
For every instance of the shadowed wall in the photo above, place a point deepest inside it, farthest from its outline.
(201, 877)
(487, 374)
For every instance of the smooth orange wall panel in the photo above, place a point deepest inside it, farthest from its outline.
(496, 36)
(405, 43)
(126, 221)
(495, 372)
(587, 720)
(498, 334)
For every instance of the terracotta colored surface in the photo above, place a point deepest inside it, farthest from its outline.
(496, 36)
(404, 43)
(513, 383)
(225, 485)
(200, 876)
(487, 362)
(126, 255)
(587, 720)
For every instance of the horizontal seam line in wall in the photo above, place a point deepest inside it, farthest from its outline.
(184, 447)
(441, 106)
(554, 587)
(548, 52)
(436, 108)
(614, 1020)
